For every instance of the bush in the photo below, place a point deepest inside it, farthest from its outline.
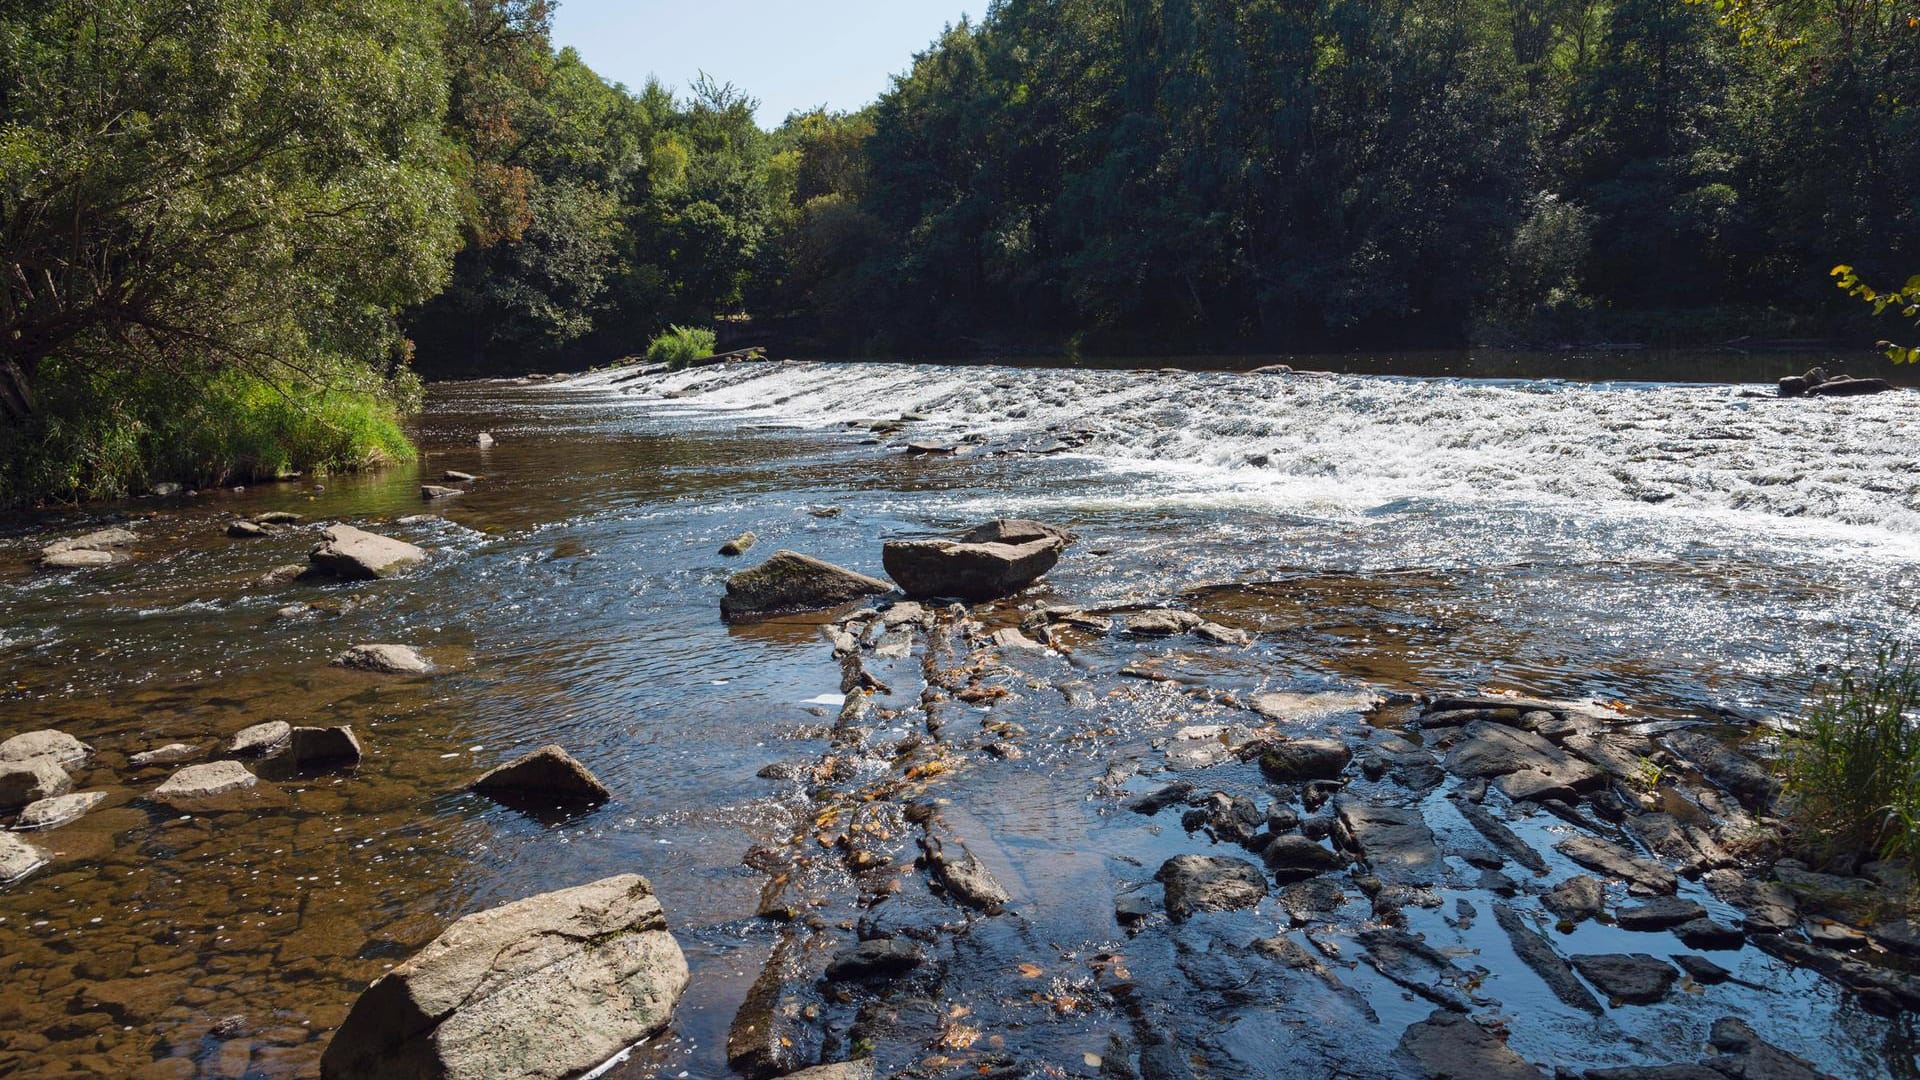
(681, 345)
(1853, 770)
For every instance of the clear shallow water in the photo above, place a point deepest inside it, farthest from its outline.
(1684, 549)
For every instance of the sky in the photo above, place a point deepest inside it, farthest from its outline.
(792, 56)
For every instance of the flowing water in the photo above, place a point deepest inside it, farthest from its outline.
(1689, 550)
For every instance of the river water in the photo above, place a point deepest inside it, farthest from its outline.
(1683, 549)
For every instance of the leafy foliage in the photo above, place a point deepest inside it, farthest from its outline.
(1906, 301)
(680, 346)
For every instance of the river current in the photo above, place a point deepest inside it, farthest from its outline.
(1686, 550)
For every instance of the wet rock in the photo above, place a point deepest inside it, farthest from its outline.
(483, 440)
(789, 581)
(1846, 386)
(1666, 836)
(973, 572)
(963, 875)
(1620, 755)
(1232, 819)
(280, 575)
(261, 739)
(1292, 858)
(1579, 897)
(1628, 978)
(1130, 909)
(1745, 778)
(1155, 801)
(1197, 883)
(1416, 965)
(351, 554)
(874, 959)
(248, 530)
(1287, 760)
(1014, 531)
(1453, 718)
(739, 545)
(57, 811)
(163, 755)
(431, 492)
(1008, 637)
(540, 989)
(198, 783)
(1297, 707)
(1537, 953)
(77, 559)
(101, 547)
(1655, 1072)
(312, 747)
(1303, 900)
(58, 746)
(455, 476)
(1900, 936)
(18, 858)
(1663, 913)
(276, 517)
(1616, 861)
(1449, 1046)
(1707, 934)
(845, 1070)
(1767, 905)
(1702, 970)
(384, 660)
(23, 782)
(1526, 765)
(1223, 635)
(1500, 836)
(1162, 623)
(1849, 898)
(549, 773)
(1394, 841)
(1880, 990)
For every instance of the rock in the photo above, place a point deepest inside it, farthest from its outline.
(1223, 635)
(1663, 913)
(1579, 897)
(1702, 970)
(352, 554)
(1014, 531)
(789, 581)
(101, 547)
(1286, 760)
(963, 875)
(54, 812)
(739, 545)
(845, 1070)
(23, 782)
(547, 773)
(1316, 896)
(276, 517)
(1707, 934)
(1196, 883)
(61, 747)
(430, 492)
(1163, 623)
(1526, 765)
(280, 575)
(1131, 909)
(163, 755)
(874, 959)
(1292, 858)
(972, 572)
(483, 440)
(18, 858)
(1155, 801)
(455, 476)
(1538, 954)
(315, 746)
(540, 989)
(384, 660)
(166, 489)
(260, 739)
(1615, 861)
(1767, 905)
(1394, 841)
(247, 530)
(1416, 965)
(1010, 637)
(1846, 386)
(198, 783)
(1745, 778)
(77, 559)
(1501, 837)
(1296, 707)
(1449, 1046)
(1632, 979)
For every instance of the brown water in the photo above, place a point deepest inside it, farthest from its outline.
(1686, 550)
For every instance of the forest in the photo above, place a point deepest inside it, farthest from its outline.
(236, 234)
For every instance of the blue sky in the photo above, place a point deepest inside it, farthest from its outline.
(789, 55)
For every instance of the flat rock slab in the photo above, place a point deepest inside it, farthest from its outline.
(1164, 623)
(163, 755)
(1579, 897)
(1418, 966)
(963, 875)
(1500, 836)
(789, 581)
(384, 660)
(430, 492)
(23, 782)
(540, 989)
(1747, 779)
(1297, 707)
(1628, 978)
(103, 547)
(1448, 1046)
(352, 554)
(58, 810)
(1663, 913)
(199, 783)
(1293, 858)
(1014, 531)
(1539, 954)
(1394, 841)
(972, 572)
(1197, 883)
(874, 959)
(260, 739)
(1524, 765)
(845, 1070)
(57, 745)
(18, 858)
(78, 559)
(1287, 760)
(1616, 861)
(547, 773)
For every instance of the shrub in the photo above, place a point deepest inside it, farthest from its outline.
(681, 345)
(1853, 770)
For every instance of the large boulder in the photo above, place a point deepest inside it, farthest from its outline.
(352, 554)
(58, 745)
(967, 571)
(790, 581)
(540, 989)
(23, 782)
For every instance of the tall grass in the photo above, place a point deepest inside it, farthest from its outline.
(1853, 770)
(681, 345)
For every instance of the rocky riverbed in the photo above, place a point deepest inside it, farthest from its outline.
(1173, 810)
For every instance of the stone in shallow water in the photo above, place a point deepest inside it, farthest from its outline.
(163, 755)
(1197, 883)
(313, 746)
(435, 491)
(874, 959)
(1579, 897)
(352, 554)
(927, 568)
(963, 875)
(261, 739)
(1287, 760)
(1616, 861)
(58, 745)
(18, 858)
(58, 810)
(540, 989)
(1663, 913)
(1631, 978)
(1537, 953)
(1293, 858)
(198, 783)
(547, 773)
(1394, 840)
(1162, 623)
(23, 782)
(790, 581)
(384, 660)
(1449, 1046)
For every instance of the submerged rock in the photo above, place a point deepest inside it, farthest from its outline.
(540, 989)
(547, 773)
(1449, 1046)
(23, 782)
(1395, 842)
(1616, 861)
(51, 813)
(739, 545)
(1197, 883)
(973, 572)
(352, 554)
(1579, 897)
(431, 492)
(55, 745)
(1537, 953)
(18, 858)
(789, 581)
(198, 783)
(874, 959)
(1632, 978)
(384, 660)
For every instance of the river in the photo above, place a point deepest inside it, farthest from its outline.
(1681, 549)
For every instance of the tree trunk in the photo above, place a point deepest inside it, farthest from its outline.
(16, 393)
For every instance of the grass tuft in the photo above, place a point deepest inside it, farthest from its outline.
(681, 345)
(1853, 770)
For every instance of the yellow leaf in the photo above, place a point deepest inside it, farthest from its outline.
(1031, 971)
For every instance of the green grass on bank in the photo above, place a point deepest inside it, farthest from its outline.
(1853, 770)
(103, 438)
(681, 345)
